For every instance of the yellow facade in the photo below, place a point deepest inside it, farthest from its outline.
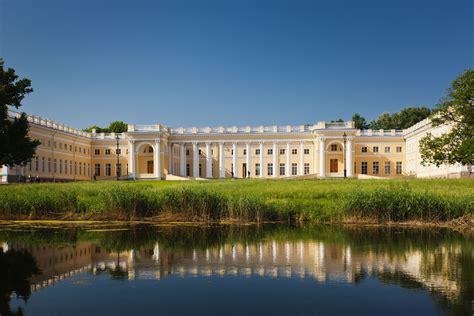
(323, 150)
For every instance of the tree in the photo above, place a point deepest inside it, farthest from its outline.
(359, 121)
(457, 111)
(400, 120)
(16, 147)
(114, 127)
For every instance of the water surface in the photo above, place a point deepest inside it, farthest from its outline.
(233, 270)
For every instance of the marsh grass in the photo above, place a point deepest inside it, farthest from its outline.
(244, 200)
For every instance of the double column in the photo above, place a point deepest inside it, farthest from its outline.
(322, 155)
(348, 150)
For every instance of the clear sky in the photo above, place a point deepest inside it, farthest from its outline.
(228, 62)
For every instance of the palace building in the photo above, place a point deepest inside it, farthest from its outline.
(322, 150)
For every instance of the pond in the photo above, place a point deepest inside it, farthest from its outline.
(138, 269)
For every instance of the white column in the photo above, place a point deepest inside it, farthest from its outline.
(315, 156)
(170, 158)
(274, 159)
(182, 159)
(4, 175)
(208, 160)
(221, 160)
(131, 154)
(157, 159)
(288, 159)
(349, 158)
(322, 171)
(261, 159)
(247, 159)
(301, 158)
(195, 160)
(234, 158)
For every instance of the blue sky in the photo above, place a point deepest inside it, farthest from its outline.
(210, 63)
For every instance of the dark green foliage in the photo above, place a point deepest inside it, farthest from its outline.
(16, 147)
(359, 121)
(406, 118)
(114, 127)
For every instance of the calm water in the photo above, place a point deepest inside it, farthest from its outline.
(241, 270)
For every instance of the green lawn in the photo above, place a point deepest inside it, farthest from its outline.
(244, 200)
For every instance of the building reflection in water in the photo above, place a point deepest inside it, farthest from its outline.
(317, 260)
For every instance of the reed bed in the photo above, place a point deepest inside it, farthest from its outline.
(375, 201)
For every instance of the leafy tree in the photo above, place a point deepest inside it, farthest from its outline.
(360, 121)
(455, 110)
(400, 120)
(114, 127)
(97, 129)
(16, 147)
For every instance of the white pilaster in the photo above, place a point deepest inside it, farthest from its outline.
(274, 159)
(208, 160)
(322, 171)
(182, 159)
(195, 160)
(301, 158)
(170, 158)
(157, 159)
(247, 159)
(288, 159)
(221, 160)
(349, 158)
(4, 175)
(234, 159)
(131, 153)
(261, 159)
(315, 156)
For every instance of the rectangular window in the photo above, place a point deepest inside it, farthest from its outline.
(363, 167)
(257, 169)
(119, 169)
(270, 151)
(70, 147)
(387, 167)
(97, 152)
(270, 169)
(75, 167)
(306, 151)
(60, 166)
(376, 149)
(387, 149)
(232, 152)
(375, 167)
(49, 143)
(245, 152)
(37, 164)
(187, 152)
(200, 170)
(399, 167)
(55, 166)
(282, 169)
(200, 152)
(188, 170)
(294, 169)
(49, 165)
(70, 166)
(334, 147)
(108, 170)
(89, 169)
(257, 151)
(43, 165)
(294, 151)
(306, 168)
(364, 149)
(65, 166)
(282, 151)
(97, 170)
(118, 151)
(80, 168)
(399, 149)
(107, 151)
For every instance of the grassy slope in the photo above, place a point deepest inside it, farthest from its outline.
(247, 200)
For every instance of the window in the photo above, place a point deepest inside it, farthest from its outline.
(97, 152)
(187, 152)
(270, 151)
(200, 152)
(282, 169)
(399, 149)
(65, 166)
(200, 170)
(306, 151)
(107, 151)
(97, 170)
(188, 170)
(282, 151)
(75, 167)
(270, 169)
(119, 169)
(364, 149)
(89, 169)
(399, 167)
(49, 165)
(108, 170)
(306, 168)
(60, 166)
(43, 165)
(294, 169)
(60, 145)
(245, 152)
(55, 166)
(257, 151)
(294, 151)
(375, 167)
(232, 152)
(334, 147)
(363, 167)
(70, 147)
(37, 164)
(49, 143)
(387, 149)
(257, 169)
(387, 167)
(80, 168)
(70, 166)
(376, 149)
(118, 151)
